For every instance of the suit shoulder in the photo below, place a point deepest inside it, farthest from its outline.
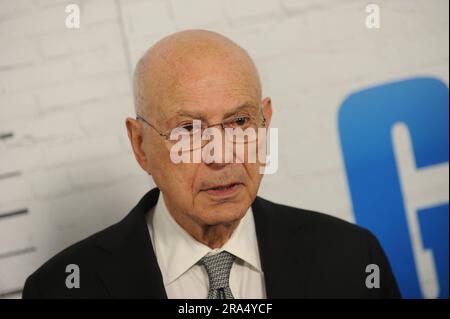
(316, 221)
(83, 253)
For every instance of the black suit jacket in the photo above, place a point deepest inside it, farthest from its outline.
(304, 254)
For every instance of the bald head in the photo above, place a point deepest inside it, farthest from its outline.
(185, 63)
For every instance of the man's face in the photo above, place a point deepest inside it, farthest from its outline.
(190, 189)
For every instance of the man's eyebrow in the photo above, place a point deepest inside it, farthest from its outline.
(200, 116)
(187, 113)
(246, 105)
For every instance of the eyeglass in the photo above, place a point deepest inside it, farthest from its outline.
(236, 130)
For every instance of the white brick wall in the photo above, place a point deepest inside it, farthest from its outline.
(64, 95)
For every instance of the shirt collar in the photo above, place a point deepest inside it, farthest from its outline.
(177, 251)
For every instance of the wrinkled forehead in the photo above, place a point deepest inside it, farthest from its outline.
(208, 87)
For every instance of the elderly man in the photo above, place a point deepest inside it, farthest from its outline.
(203, 233)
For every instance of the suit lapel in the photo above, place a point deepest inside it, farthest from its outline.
(130, 269)
(284, 253)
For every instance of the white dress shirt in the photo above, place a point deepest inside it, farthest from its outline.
(178, 255)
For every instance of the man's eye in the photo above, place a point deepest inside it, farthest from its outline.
(188, 127)
(241, 121)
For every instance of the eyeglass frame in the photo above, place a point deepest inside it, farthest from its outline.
(167, 135)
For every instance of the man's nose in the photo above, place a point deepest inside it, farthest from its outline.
(217, 166)
(218, 152)
(222, 156)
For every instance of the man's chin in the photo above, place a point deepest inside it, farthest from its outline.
(226, 214)
(221, 210)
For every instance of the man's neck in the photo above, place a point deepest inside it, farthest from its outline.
(213, 236)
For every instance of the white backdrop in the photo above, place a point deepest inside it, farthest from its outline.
(66, 167)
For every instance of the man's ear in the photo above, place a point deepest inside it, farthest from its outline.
(136, 136)
(267, 110)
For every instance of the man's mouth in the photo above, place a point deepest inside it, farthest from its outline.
(223, 189)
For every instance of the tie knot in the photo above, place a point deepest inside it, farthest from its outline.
(218, 267)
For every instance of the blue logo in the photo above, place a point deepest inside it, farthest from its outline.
(392, 194)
